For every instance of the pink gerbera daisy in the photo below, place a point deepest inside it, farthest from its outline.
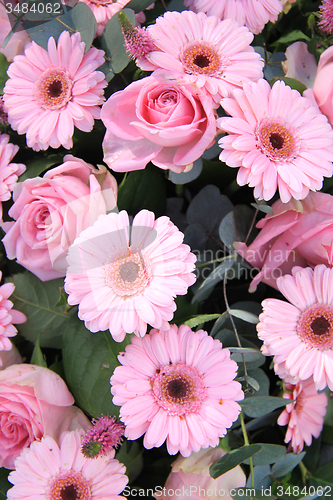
(214, 55)
(300, 333)
(278, 139)
(252, 13)
(9, 172)
(178, 386)
(46, 471)
(50, 91)
(124, 277)
(8, 316)
(304, 416)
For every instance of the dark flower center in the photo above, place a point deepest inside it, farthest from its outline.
(129, 272)
(201, 61)
(178, 389)
(55, 89)
(69, 493)
(276, 141)
(320, 326)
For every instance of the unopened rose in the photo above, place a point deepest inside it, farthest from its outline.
(157, 120)
(50, 212)
(33, 401)
(192, 474)
(295, 235)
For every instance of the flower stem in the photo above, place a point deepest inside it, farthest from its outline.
(247, 443)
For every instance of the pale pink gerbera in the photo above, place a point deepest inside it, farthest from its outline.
(305, 416)
(9, 172)
(300, 333)
(252, 13)
(8, 316)
(178, 386)
(124, 277)
(214, 55)
(46, 471)
(51, 91)
(278, 139)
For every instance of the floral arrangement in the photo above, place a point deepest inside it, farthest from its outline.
(166, 215)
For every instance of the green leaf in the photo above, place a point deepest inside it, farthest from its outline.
(231, 460)
(325, 472)
(143, 189)
(257, 406)
(263, 208)
(269, 454)
(219, 323)
(39, 165)
(130, 454)
(245, 316)
(293, 36)
(235, 225)
(38, 357)
(248, 353)
(294, 84)
(215, 277)
(112, 42)
(138, 5)
(3, 71)
(4, 484)
(327, 434)
(89, 361)
(199, 320)
(37, 299)
(282, 468)
(80, 19)
(63, 298)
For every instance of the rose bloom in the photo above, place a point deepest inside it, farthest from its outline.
(51, 91)
(304, 416)
(18, 40)
(215, 55)
(192, 474)
(254, 13)
(157, 120)
(176, 386)
(50, 212)
(295, 235)
(299, 333)
(48, 471)
(33, 401)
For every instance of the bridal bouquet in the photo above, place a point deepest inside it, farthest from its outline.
(166, 214)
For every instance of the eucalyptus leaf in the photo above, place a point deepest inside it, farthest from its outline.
(208, 207)
(245, 316)
(262, 479)
(282, 468)
(231, 460)
(257, 406)
(235, 225)
(219, 323)
(266, 209)
(37, 300)
(215, 277)
(89, 361)
(138, 5)
(185, 177)
(269, 454)
(112, 42)
(246, 353)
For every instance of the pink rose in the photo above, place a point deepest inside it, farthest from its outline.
(18, 40)
(296, 235)
(11, 357)
(33, 401)
(193, 472)
(50, 212)
(157, 120)
(323, 84)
